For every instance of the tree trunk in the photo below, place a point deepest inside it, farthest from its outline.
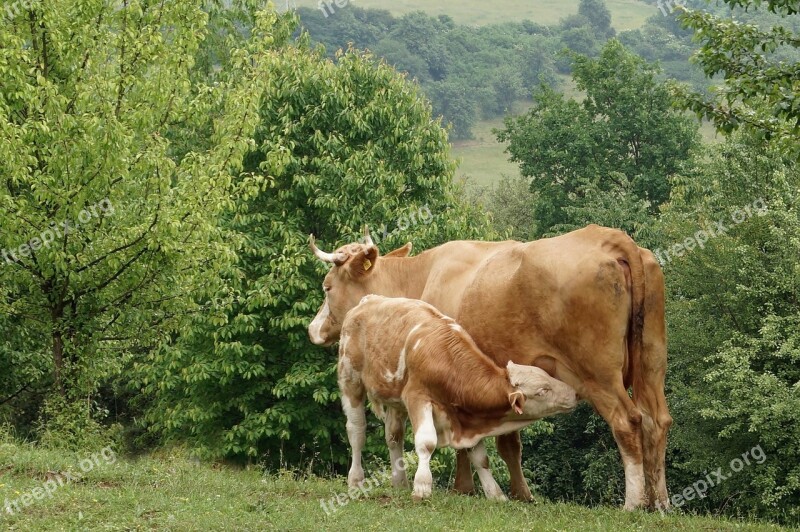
(58, 349)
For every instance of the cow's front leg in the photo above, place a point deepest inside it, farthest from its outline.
(425, 443)
(480, 460)
(464, 482)
(356, 435)
(510, 448)
(395, 426)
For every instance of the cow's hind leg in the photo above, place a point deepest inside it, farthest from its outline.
(648, 388)
(464, 482)
(425, 439)
(510, 448)
(612, 402)
(480, 460)
(395, 425)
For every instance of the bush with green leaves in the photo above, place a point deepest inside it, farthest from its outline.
(109, 224)
(620, 144)
(733, 313)
(341, 144)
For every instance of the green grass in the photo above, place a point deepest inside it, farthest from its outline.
(483, 159)
(625, 14)
(169, 492)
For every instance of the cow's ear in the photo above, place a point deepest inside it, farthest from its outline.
(517, 400)
(364, 262)
(400, 252)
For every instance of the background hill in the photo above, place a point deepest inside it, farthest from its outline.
(625, 14)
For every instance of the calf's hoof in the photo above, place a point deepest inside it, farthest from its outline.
(420, 494)
(355, 479)
(401, 483)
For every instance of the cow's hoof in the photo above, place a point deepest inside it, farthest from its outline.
(464, 489)
(520, 495)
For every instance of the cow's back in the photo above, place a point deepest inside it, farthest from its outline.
(533, 302)
(455, 265)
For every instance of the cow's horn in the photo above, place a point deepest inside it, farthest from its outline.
(367, 239)
(335, 258)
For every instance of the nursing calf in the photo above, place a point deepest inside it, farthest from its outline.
(411, 360)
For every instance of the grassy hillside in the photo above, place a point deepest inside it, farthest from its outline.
(482, 159)
(625, 14)
(172, 493)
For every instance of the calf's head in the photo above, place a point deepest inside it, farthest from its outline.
(538, 394)
(352, 276)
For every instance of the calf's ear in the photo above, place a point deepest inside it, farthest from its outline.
(517, 400)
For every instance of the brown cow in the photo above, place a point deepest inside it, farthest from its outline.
(587, 307)
(413, 361)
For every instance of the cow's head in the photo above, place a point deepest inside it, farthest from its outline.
(354, 267)
(538, 394)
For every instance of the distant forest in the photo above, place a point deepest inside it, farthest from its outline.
(474, 73)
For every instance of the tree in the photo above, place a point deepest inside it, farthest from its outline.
(622, 139)
(598, 15)
(344, 144)
(733, 313)
(760, 86)
(108, 226)
(457, 104)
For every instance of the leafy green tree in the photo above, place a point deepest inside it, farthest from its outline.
(733, 314)
(342, 143)
(401, 59)
(760, 86)
(456, 102)
(623, 140)
(598, 15)
(108, 227)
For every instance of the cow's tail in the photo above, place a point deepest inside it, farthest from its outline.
(633, 377)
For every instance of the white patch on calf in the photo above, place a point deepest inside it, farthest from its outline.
(425, 444)
(357, 435)
(368, 297)
(479, 457)
(400, 372)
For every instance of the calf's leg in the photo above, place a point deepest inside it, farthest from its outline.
(510, 448)
(353, 405)
(425, 440)
(480, 460)
(395, 426)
